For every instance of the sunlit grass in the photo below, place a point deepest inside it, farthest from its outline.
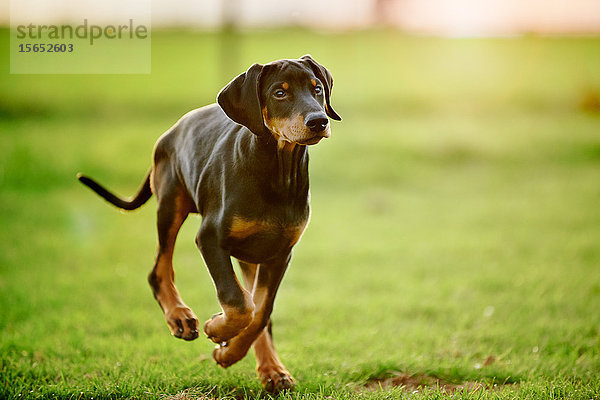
(455, 217)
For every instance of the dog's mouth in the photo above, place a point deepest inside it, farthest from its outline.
(311, 141)
(316, 138)
(304, 141)
(295, 130)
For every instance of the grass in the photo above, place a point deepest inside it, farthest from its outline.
(455, 217)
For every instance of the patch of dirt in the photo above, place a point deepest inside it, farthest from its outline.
(420, 382)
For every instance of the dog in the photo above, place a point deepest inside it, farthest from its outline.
(242, 164)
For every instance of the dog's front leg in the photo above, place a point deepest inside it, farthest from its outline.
(235, 301)
(268, 278)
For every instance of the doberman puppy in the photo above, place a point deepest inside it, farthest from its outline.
(243, 165)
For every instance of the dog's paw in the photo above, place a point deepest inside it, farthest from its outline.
(182, 322)
(276, 379)
(226, 354)
(220, 329)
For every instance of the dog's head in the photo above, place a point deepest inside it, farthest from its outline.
(289, 99)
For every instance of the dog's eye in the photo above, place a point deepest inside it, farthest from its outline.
(318, 90)
(279, 93)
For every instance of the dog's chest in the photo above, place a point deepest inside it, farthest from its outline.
(258, 239)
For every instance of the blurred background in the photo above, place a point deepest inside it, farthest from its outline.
(438, 17)
(455, 208)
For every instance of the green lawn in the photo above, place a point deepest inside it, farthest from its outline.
(456, 216)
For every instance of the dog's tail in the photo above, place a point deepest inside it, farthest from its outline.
(142, 196)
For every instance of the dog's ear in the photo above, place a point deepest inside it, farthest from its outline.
(324, 76)
(241, 102)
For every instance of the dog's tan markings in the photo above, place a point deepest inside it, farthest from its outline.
(285, 85)
(295, 232)
(230, 322)
(313, 82)
(284, 145)
(180, 318)
(242, 228)
(275, 125)
(269, 124)
(239, 345)
(272, 373)
(291, 130)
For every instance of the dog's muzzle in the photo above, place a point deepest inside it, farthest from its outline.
(316, 121)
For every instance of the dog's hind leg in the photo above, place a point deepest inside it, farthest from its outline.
(173, 208)
(272, 373)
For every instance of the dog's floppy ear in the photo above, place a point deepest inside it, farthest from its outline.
(240, 100)
(324, 76)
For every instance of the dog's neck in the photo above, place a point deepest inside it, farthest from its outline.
(292, 170)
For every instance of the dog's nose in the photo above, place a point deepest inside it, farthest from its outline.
(316, 122)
